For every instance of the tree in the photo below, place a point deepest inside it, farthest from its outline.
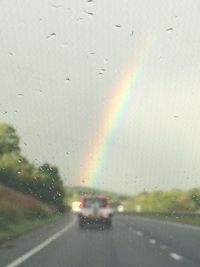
(20, 174)
(9, 140)
(52, 187)
(195, 197)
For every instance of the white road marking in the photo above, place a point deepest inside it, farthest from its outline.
(39, 247)
(152, 241)
(176, 256)
(163, 247)
(139, 233)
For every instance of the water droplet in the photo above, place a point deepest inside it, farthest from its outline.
(56, 6)
(51, 35)
(89, 13)
(169, 29)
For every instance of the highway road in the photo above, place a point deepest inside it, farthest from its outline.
(133, 241)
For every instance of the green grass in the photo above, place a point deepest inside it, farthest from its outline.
(14, 230)
(191, 219)
(20, 213)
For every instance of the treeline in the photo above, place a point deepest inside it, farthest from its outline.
(74, 193)
(16, 171)
(166, 201)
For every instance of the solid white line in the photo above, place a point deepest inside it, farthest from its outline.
(152, 241)
(176, 256)
(39, 247)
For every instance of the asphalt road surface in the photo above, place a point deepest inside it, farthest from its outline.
(133, 241)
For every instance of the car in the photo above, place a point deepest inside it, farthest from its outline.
(75, 207)
(95, 211)
(120, 209)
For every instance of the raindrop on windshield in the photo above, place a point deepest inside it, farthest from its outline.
(51, 35)
(56, 6)
(169, 29)
(89, 13)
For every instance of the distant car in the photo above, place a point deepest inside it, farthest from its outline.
(120, 209)
(95, 210)
(76, 206)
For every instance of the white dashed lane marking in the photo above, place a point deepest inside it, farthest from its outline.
(139, 233)
(176, 256)
(152, 241)
(173, 255)
(163, 247)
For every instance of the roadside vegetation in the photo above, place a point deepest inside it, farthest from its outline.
(29, 195)
(20, 213)
(165, 201)
(17, 172)
(175, 205)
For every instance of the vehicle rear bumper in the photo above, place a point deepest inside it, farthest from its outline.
(92, 220)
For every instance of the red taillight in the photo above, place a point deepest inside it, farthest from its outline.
(82, 203)
(106, 205)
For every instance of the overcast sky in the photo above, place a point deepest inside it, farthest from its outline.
(51, 91)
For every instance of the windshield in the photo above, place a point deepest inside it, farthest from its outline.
(99, 133)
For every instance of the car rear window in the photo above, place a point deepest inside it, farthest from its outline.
(89, 202)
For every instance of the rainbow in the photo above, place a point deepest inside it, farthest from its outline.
(123, 93)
